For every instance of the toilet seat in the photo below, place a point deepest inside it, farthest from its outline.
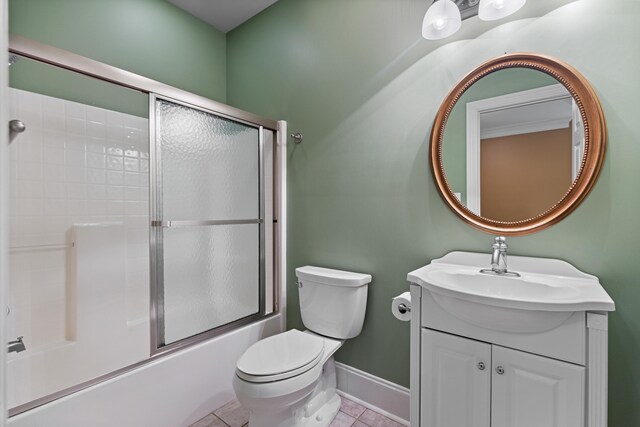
(281, 356)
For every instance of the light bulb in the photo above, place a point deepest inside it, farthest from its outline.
(490, 10)
(441, 20)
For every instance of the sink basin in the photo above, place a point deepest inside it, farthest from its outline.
(527, 288)
(547, 292)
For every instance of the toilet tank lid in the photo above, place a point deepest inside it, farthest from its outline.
(332, 277)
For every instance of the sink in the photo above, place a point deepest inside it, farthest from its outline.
(546, 294)
(504, 288)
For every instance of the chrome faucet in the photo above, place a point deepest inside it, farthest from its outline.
(16, 346)
(499, 259)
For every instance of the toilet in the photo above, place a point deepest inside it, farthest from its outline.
(289, 379)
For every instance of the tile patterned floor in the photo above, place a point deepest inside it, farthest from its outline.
(351, 415)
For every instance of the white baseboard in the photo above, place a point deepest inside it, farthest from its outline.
(384, 397)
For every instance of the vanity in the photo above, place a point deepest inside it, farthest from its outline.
(495, 351)
(515, 148)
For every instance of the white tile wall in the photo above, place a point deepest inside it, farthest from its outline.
(74, 164)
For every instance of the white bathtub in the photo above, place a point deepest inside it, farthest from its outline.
(174, 391)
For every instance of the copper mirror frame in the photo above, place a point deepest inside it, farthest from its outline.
(595, 132)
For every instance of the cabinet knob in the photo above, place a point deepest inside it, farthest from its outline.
(500, 370)
(481, 366)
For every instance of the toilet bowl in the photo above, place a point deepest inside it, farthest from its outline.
(289, 379)
(276, 389)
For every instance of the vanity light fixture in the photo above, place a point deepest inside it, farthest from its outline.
(490, 10)
(444, 17)
(441, 20)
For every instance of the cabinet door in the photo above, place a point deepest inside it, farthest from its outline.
(455, 381)
(535, 391)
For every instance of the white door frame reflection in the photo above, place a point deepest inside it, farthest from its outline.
(527, 98)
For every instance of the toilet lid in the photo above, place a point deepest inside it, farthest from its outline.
(281, 356)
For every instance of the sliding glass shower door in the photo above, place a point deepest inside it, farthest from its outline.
(115, 178)
(208, 216)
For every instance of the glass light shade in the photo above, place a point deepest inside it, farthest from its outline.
(441, 20)
(490, 10)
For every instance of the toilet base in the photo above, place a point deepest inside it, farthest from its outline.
(324, 415)
(316, 410)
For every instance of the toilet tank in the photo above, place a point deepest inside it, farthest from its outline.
(332, 302)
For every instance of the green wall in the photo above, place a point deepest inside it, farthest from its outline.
(152, 38)
(34, 76)
(357, 79)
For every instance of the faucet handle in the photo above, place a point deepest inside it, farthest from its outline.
(500, 242)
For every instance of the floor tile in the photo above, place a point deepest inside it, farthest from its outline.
(342, 420)
(233, 414)
(374, 419)
(351, 414)
(351, 408)
(209, 421)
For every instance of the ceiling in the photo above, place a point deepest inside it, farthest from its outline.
(224, 15)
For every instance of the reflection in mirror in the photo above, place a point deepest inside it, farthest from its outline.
(513, 145)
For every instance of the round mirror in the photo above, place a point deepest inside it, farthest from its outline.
(518, 144)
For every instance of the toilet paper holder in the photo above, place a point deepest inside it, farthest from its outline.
(403, 308)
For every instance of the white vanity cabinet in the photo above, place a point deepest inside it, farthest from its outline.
(534, 391)
(455, 381)
(526, 351)
(468, 383)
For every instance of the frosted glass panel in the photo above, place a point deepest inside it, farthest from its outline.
(209, 165)
(209, 171)
(211, 277)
